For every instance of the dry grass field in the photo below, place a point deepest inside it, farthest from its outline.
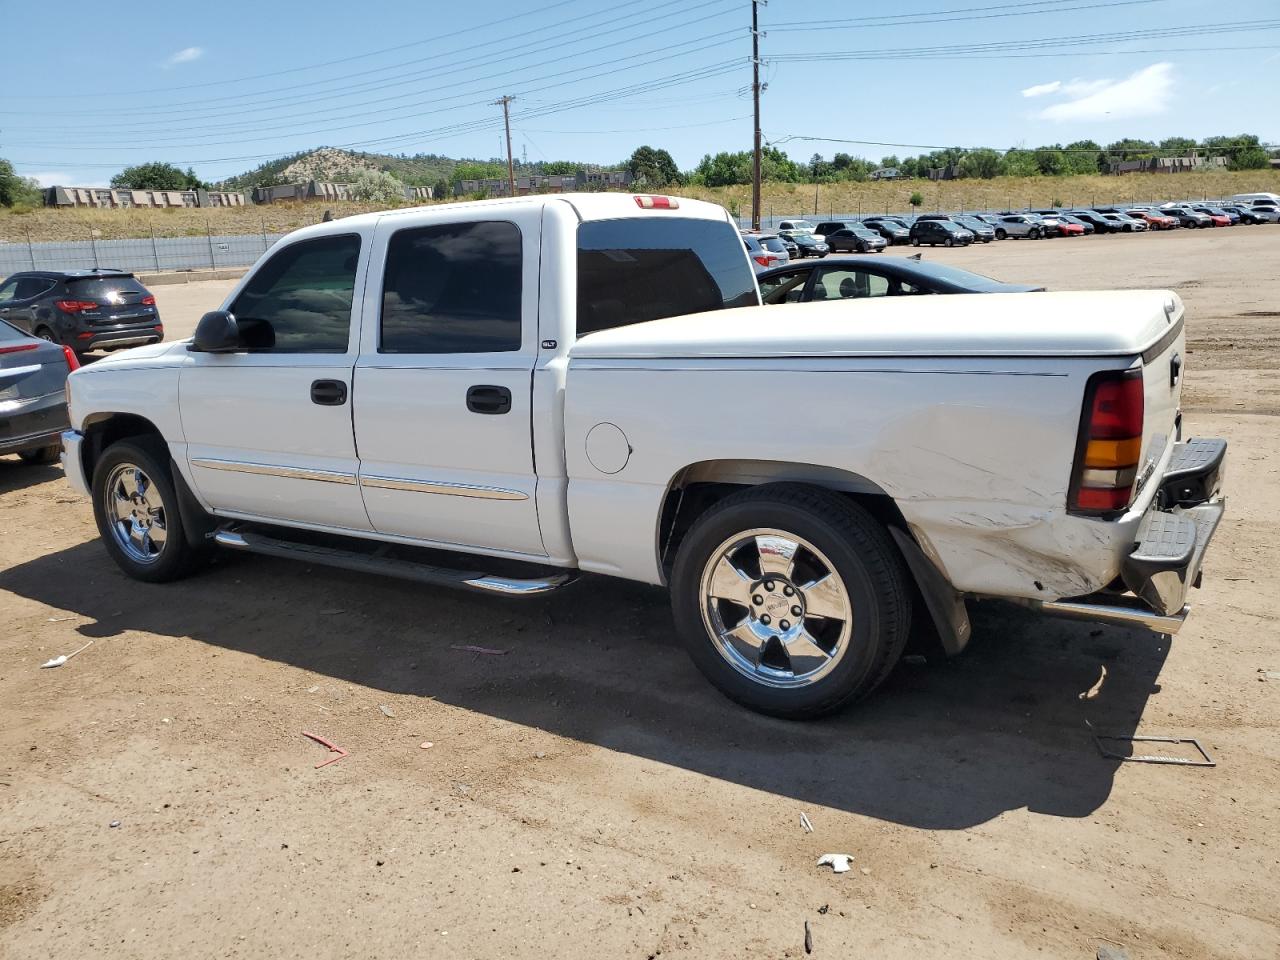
(779, 198)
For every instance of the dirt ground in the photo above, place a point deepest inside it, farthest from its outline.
(587, 794)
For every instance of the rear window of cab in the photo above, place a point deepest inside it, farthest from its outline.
(638, 269)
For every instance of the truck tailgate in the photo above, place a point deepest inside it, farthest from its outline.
(1162, 394)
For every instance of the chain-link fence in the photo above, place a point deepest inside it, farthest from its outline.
(140, 255)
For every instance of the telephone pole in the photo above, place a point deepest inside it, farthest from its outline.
(505, 103)
(755, 93)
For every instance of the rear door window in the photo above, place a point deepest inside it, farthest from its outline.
(31, 287)
(783, 287)
(8, 290)
(646, 268)
(107, 289)
(453, 288)
(842, 284)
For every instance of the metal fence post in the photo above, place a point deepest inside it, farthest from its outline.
(155, 250)
(208, 228)
(94, 244)
(263, 221)
(31, 251)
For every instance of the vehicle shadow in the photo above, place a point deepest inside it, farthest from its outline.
(17, 474)
(945, 745)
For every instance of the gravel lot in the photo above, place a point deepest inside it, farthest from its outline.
(586, 794)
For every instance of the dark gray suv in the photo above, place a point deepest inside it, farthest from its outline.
(33, 403)
(82, 309)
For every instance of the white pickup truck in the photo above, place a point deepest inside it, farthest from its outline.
(554, 384)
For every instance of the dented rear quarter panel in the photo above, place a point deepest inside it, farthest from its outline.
(976, 452)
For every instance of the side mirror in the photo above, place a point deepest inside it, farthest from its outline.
(217, 332)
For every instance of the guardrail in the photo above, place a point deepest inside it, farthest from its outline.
(142, 255)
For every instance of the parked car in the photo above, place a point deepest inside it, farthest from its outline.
(1088, 229)
(1096, 220)
(1152, 218)
(934, 232)
(791, 228)
(83, 309)
(778, 245)
(982, 231)
(1187, 217)
(1124, 223)
(1271, 198)
(1018, 446)
(1019, 225)
(856, 239)
(893, 230)
(1260, 214)
(808, 245)
(33, 400)
(841, 278)
(1056, 225)
(760, 257)
(1219, 216)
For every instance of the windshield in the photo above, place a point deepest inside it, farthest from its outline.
(774, 244)
(802, 225)
(865, 233)
(107, 288)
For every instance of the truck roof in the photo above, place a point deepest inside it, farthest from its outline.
(587, 206)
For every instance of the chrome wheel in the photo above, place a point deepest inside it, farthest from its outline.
(775, 607)
(135, 513)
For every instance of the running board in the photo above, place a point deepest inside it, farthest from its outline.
(1120, 613)
(250, 541)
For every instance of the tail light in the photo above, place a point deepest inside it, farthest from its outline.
(657, 203)
(76, 306)
(149, 300)
(19, 347)
(72, 362)
(1110, 443)
(763, 259)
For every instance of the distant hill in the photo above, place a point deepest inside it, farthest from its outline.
(423, 169)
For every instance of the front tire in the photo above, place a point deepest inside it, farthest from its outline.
(791, 600)
(915, 241)
(136, 507)
(1034, 234)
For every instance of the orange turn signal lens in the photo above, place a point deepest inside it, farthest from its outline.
(1110, 454)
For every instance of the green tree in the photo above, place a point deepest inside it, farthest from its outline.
(1177, 146)
(377, 186)
(890, 161)
(441, 190)
(15, 189)
(477, 171)
(1081, 156)
(916, 199)
(1130, 149)
(156, 176)
(555, 168)
(983, 163)
(653, 167)
(1020, 163)
(1250, 158)
(1050, 161)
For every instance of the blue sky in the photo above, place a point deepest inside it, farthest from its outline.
(243, 82)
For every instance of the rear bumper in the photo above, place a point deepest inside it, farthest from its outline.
(72, 463)
(118, 338)
(31, 424)
(1171, 542)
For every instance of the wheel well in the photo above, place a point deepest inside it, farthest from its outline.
(699, 487)
(104, 429)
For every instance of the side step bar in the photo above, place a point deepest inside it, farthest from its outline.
(1118, 614)
(250, 541)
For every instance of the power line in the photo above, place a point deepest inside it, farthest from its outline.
(901, 20)
(1002, 150)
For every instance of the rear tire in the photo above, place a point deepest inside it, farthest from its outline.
(1035, 233)
(915, 241)
(949, 242)
(41, 455)
(764, 655)
(136, 507)
(1001, 235)
(44, 333)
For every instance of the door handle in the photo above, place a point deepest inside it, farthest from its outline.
(328, 393)
(488, 399)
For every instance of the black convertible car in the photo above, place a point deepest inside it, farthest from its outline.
(837, 278)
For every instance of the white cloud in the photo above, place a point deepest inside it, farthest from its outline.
(185, 55)
(67, 178)
(1141, 94)
(1040, 89)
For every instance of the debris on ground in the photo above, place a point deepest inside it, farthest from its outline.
(824, 908)
(1205, 760)
(427, 745)
(59, 619)
(472, 648)
(838, 862)
(1108, 952)
(387, 711)
(59, 661)
(808, 938)
(804, 822)
(333, 748)
(313, 689)
(1268, 675)
(1097, 687)
(113, 824)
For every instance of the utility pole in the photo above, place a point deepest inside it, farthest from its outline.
(755, 93)
(505, 103)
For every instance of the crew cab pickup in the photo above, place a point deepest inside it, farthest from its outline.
(540, 386)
